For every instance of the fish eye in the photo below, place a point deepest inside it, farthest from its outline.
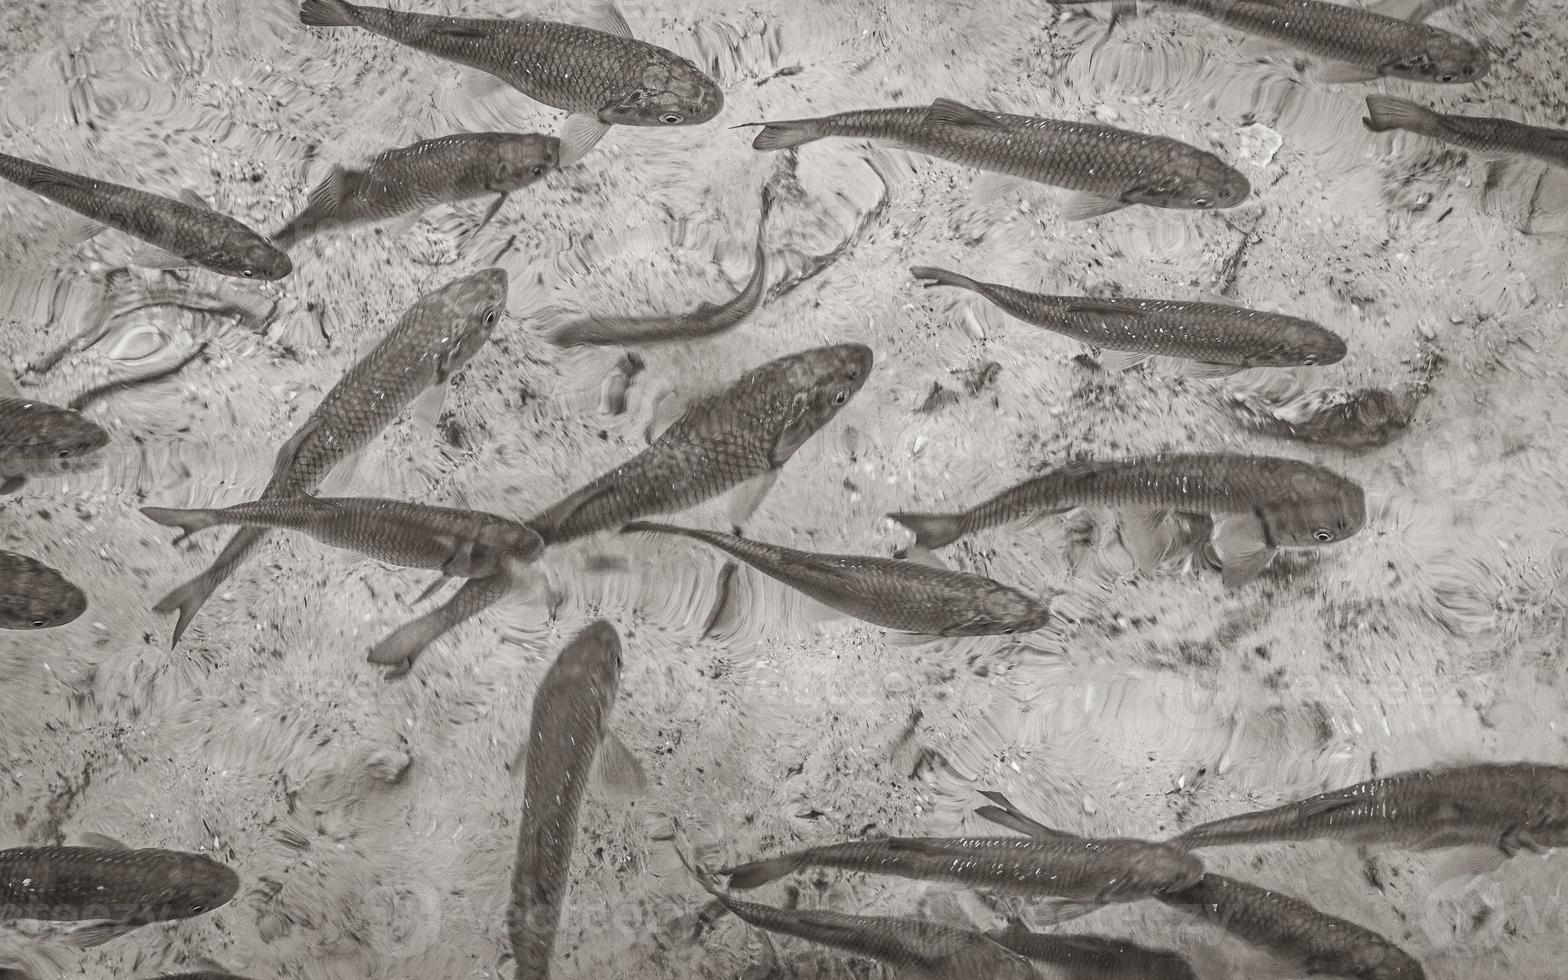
(39, 623)
(670, 118)
(537, 170)
(1447, 77)
(841, 398)
(64, 454)
(248, 273)
(491, 317)
(1007, 631)
(1202, 202)
(1323, 534)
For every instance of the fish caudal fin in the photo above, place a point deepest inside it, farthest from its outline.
(759, 873)
(187, 600)
(932, 530)
(783, 135)
(188, 521)
(942, 277)
(327, 13)
(1385, 112)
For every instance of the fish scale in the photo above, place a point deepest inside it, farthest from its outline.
(76, 883)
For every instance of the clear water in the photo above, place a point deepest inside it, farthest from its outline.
(1433, 636)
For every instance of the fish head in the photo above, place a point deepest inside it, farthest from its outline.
(1379, 959)
(197, 884)
(672, 92)
(247, 256)
(593, 658)
(1163, 868)
(1198, 181)
(1322, 509)
(472, 305)
(1445, 59)
(44, 439)
(1294, 341)
(36, 597)
(517, 541)
(522, 159)
(821, 381)
(1004, 611)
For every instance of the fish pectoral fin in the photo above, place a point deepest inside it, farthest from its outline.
(989, 187)
(104, 841)
(427, 407)
(1146, 538)
(1468, 862)
(1341, 72)
(1117, 361)
(1206, 369)
(794, 432)
(489, 215)
(1055, 911)
(343, 475)
(1003, 811)
(195, 200)
(669, 409)
(951, 112)
(149, 256)
(916, 845)
(1242, 547)
(748, 497)
(1081, 206)
(80, 229)
(481, 84)
(98, 933)
(405, 223)
(579, 134)
(607, 17)
(617, 769)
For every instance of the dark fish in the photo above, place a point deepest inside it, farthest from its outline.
(1214, 339)
(1289, 928)
(438, 335)
(407, 642)
(1363, 45)
(186, 231)
(126, 888)
(743, 434)
(901, 595)
(1078, 868)
(1083, 957)
(201, 975)
(1109, 168)
(1260, 504)
(601, 75)
(1513, 807)
(1361, 419)
(1488, 135)
(461, 543)
(38, 439)
(707, 320)
(404, 182)
(570, 721)
(34, 596)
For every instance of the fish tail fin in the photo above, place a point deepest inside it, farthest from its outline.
(1386, 112)
(942, 277)
(785, 134)
(190, 597)
(933, 530)
(188, 521)
(328, 13)
(759, 873)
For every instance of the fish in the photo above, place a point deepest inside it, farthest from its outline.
(1087, 957)
(898, 594)
(568, 729)
(411, 365)
(707, 320)
(39, 439)
(1356, 420)
(1212, 339)
(1292, 930)
(741, 435)
(1488, 135)
(1106, 168)
(1512, 807)
(601, 75)
(200, 975)
(461, 543)
(181, 232)
(403, 646)
(124, 887)
(1260, 504)
(404, 182)
(1360, 45)
(34, 596)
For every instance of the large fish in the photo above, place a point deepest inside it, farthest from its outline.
(1214, 339)
(1085, 957)
(1259, 504)
(1107, 168)
(707, 320)
(182, 233)
(34, 596)
(898, 594)
(1489, 135)
(38, 439)
(435, 338)
(741, 435)
(601, 75)
(123, 887)
(568, 726)
(404, 182)
(1293, 931)
(1361, 45)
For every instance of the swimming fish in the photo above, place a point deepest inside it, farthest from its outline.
(1292, 930)
(1107, 168)
(182, 233)
(1361, 44)
(1212, 338)
(1363, 418)
(1259, 504)
(1513, 807)
(124, 887)
(38, 439)
(897, 594)
(1488, 135)
(34, 596)
(601, 75)
(1086, 957)
(404, 182)
(404, 645)
(741, 435)
(416, 359)
(707, 320)
(569, 724)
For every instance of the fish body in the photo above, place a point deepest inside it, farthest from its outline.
(38, 439)
(737, 435)
(1079, 868)
(1211, 334)
(1512, 807)
(34, 596)
(1085, 957)
(571, 713)
(1110, 168)
(120, 885)
(1363, 44)
(1292, 930)
(890, 592)
(404, 645)
(1488, 135)
(410, 179)
(462, 543)
(1355, 420)
(187, 228)
(432, 341)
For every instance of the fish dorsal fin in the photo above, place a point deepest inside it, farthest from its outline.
(104, 841)
(195, 200)
(915, 845)
(955, 113)
(607, 17)
(1103, 308)
(616, 768)
(1008, 815)
(288, 454)
(452, 27)
(1319, 805)
(329, 195)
